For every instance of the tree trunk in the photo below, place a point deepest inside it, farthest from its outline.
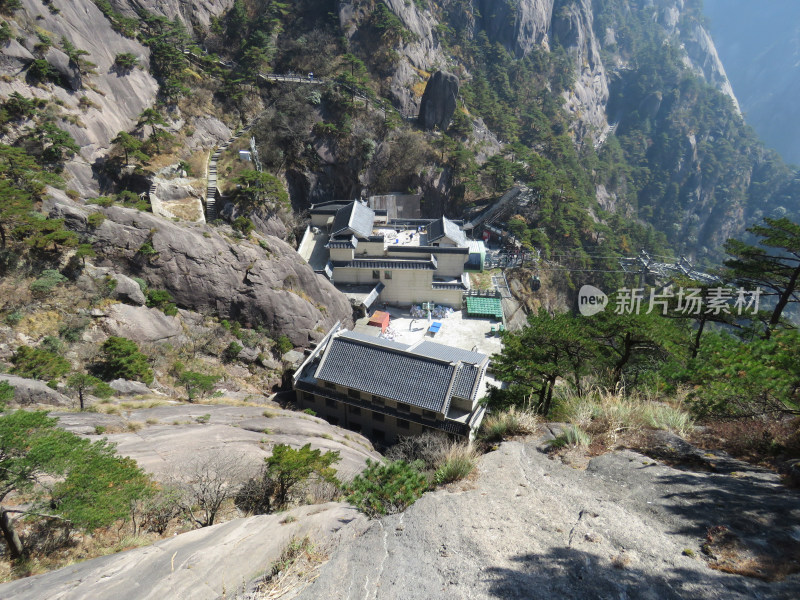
(696, 347)
(623, 360)
(550, 385)
(15, 548)
(783, 301)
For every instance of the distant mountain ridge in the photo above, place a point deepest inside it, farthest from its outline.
(759, 43)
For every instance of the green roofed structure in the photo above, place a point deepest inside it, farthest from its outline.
(481, 306)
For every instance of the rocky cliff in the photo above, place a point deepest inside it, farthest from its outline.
(531, 527)
(207, 271)
(113, 100)
(522, 26)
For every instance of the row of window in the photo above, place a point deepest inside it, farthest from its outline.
(376, 400)
(376, 416)
(376, 274)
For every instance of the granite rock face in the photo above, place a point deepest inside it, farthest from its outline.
(518, 26)
(439, 101)
(32, 391)
(117, 98)
(206, 271)
(531, 527)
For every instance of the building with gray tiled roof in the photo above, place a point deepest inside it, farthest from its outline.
(385, 389)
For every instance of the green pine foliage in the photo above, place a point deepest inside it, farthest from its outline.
(38, 363)
(45, 283)
(120, 358)
(6, 393)
(197, 384)
(386, 488)
(163, 300)
(88, 484)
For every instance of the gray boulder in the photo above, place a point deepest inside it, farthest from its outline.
(123, 387)
(439, 101)
(204, 271)
(32, 391)
(128, 290)
(140, 324)
(66, 68)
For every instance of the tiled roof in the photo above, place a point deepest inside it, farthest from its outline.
(343, 242)
(353, 218)
(444, 227)
(387, 372)
(448, 353)
(372, 263)
(433, 249)
(465, 379)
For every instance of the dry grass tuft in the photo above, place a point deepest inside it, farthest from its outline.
(497, 427)
(614, 418)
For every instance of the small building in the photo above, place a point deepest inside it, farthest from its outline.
(385, 389)
(380, 319)
(411, 260)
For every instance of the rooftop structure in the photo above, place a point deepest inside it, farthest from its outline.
(416, 260)
(386, 389)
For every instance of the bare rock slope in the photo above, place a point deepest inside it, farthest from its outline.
(532, 527)
(204, 564)
(267, 285)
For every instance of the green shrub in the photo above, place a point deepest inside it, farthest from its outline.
(95, 220)
(103, 201)
(14, 317)
(125, 61)
(497, 427)
(5, 32)
(197, 384)
(49, 279)
(386, 488)
(121, 359)
(283, 344)
(37, 363)
(310, 411)
(142, 284)
(41, 71)
(457, 464)
(571, 436)
(52, 344)
(147, 249)
(162, 299)
(6, 393)
(243, 225)
(72, 330)
(231, 353)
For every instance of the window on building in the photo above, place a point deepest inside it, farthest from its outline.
(329, 385)
(403, 407)
(428, 414)
(355, 394)
(378, 400)
(402, 424)
(387, 274)
(308, 396)
(355, 410)
(378, 417)
(330, 403)
(376, 274)
(379, 435)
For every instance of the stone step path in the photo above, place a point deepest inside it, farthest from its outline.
(157, 206)
(212, 191)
